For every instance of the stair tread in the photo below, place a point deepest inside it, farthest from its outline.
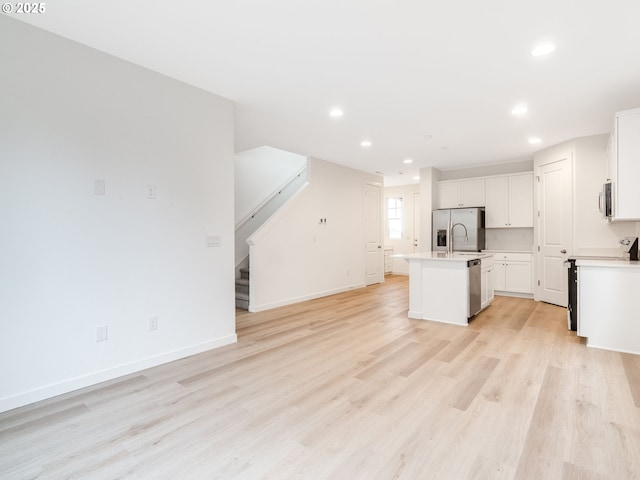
(242, 296)
(242, 281)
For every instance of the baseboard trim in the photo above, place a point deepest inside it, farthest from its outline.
(418, 316)
(53, 390)
(600, 347)
(513, 294)
(302, 298)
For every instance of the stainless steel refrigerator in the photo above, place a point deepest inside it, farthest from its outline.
(465, 225)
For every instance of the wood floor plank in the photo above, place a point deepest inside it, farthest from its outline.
(546, 434)
(573, 472)
(458, 346)
(36, 423)
(480, 373)
(632, 370)
(347, 386)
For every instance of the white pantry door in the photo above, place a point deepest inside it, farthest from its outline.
(373, 234)
(554, 230)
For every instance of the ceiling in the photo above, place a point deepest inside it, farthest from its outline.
(431, 81)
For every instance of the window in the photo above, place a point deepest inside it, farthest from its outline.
(394, 217)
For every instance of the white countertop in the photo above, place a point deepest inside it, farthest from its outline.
(508, 251)
(453, 257)
(609, 262)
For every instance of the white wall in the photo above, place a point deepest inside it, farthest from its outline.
(487, 170)
(593, 235)
(428, 199)
(71, 260)
(404, 244)
(294, 258)
(258, 173)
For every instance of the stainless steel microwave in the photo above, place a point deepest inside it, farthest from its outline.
(606, 201)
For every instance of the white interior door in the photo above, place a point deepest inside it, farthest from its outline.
(373, 234)
(416, 223)
(554, 230)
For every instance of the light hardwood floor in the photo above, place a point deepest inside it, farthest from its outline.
(347, 387)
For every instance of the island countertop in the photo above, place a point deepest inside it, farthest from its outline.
(443, 256)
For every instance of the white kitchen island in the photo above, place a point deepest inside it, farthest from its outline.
(439, 286)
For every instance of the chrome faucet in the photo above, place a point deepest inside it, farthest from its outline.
(450, 232)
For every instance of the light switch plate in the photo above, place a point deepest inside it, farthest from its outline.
(151, 192)
(213, 241)
(101, 333)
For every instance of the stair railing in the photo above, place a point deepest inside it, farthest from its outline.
(250, 223)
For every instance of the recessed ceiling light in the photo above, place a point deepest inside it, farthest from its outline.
(428, 137)
(534, 140)
(365, 143)
(407, 160)
(379, 172)
(543, 49)
(417, 177)
(519, 110)
(336, 112)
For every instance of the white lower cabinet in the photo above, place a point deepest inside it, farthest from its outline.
(607, 304)
(517, 277)
(486, 282)
(512, 273)
(388, 261)
(498, 276)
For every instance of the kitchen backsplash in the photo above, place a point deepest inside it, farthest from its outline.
(509, 239)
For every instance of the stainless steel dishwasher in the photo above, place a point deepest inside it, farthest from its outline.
(475, 287)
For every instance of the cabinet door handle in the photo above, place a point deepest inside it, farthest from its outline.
(564, 250)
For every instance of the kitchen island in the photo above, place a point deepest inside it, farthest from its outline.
(439, 285)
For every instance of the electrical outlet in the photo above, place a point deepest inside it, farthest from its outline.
(153, 324)
(101, 333)
(99, 187)
(151, 192)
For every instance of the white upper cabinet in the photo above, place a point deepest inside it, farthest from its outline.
(509, 201)
(496, 213)
(465, 193)
(623, 164)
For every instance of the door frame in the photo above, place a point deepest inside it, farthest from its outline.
(541, 159)
(380, 275)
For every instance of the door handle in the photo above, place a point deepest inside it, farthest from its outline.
(379, 246)
(564, 250)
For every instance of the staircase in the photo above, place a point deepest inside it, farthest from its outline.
(292, 171)
(242, 289)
